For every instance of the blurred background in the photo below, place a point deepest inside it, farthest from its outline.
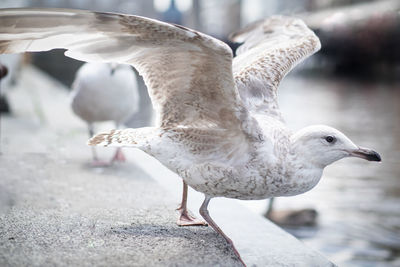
(352, 84)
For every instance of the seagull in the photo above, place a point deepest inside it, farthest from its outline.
(104, 92)
(219, 126)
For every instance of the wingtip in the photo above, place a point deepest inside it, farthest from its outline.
(96, 140)
(242, 34)
(102, 139)
(239, 36)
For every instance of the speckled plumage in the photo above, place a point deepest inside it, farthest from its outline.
(242, 151)
(219, 125)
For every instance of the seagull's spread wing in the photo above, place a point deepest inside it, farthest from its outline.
(189, 74)
(270, 49)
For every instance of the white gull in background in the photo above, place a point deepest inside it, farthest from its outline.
(105, 92)
(219, 126)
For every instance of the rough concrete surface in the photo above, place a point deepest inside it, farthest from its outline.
(55, 210)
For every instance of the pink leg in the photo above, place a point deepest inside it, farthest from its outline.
(118, 156)
(96, 162)
(204, 212)
(186, 218)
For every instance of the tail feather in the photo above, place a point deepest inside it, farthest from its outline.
(125, 137)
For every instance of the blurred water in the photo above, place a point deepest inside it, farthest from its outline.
(358, 201)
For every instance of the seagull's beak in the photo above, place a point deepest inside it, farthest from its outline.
(365, 153)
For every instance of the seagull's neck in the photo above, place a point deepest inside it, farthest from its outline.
(294, 173)
(301, 172)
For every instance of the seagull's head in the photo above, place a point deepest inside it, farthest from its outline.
(322, 145)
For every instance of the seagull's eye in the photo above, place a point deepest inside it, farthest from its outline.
(330, 139)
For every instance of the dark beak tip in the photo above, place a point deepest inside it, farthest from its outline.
(374, 156)
(367, 154)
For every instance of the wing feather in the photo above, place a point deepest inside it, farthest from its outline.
(270, 49)
(189, 74)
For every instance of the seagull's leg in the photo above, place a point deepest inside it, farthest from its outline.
(270, 207)
(91, 133)
(204, 212)
(118, 156)
(96, 162)
(185, 216)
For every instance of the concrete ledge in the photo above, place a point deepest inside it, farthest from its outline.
(56, 210)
